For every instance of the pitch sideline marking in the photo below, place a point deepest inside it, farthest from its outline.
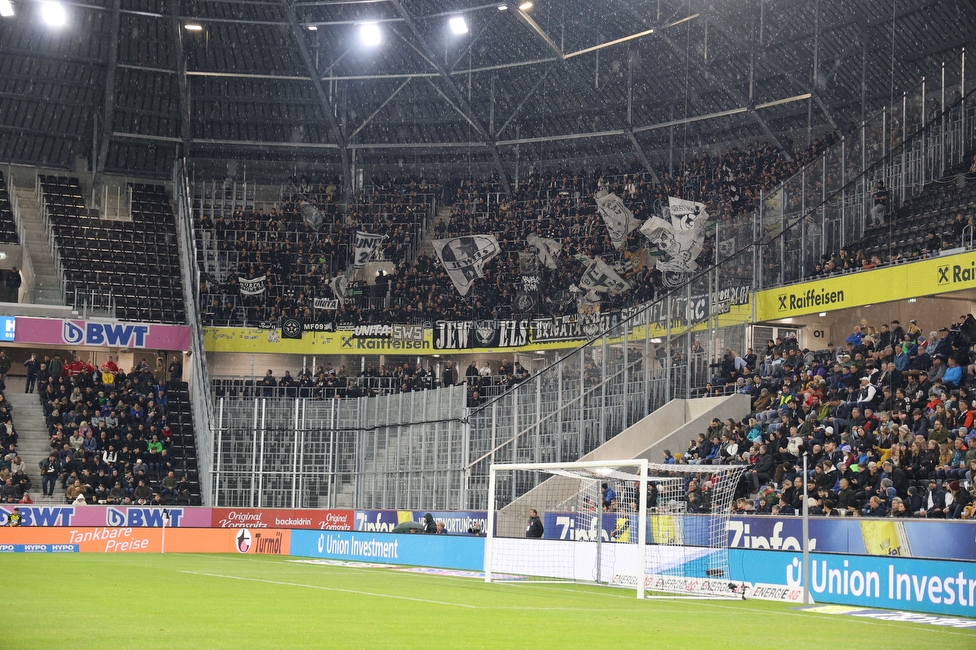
(347, 591)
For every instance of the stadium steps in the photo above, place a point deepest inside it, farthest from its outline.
(443, 214)
(47, 288)
(669, 427)
(33, 442)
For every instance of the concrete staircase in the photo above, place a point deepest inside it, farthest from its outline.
(443, 214)
(47, 287)
(33, 440)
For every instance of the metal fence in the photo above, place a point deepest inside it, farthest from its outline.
(393, 451)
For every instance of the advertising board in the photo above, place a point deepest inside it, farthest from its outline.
(126, 539)
(129, 516)
(440, 551)
(81, 333)
(271, 518)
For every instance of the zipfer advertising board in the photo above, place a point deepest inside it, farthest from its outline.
(384, 521)
(125, 539)
(269, 518)
(440, 551)
(856, 536)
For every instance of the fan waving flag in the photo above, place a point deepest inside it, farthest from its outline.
(547, 249)
(367, 246)
(618, 217)
(338, 286)
(600, 278)
(464, 258)
(252, 286)
(684, 213)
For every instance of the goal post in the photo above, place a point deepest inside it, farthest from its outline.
(626, 523)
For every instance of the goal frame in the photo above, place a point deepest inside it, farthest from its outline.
(641, 463)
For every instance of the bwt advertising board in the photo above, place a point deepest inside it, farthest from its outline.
(130, 516)
(440, 551)
(144, 540)
(891, 582)
(270, 518)
(72, 332)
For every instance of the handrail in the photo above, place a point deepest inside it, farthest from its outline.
(199, 384)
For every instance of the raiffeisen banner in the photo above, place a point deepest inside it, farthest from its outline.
(113, 334)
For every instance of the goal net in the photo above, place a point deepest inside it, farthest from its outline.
(657, 529)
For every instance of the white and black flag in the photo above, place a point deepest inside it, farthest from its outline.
(618, 217)
(367, 246)
(600, 278)
(684, 214)
(253, 286)
(546, 249)
(338, 286)
(326, 304)
(311, 215)
(464, 258)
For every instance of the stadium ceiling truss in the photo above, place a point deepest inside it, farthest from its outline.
(128, 87)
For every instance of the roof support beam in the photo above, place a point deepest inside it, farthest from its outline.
(108, 116)
(714, 21)
(462, 102)
(328, 109)
(711, 78)
(181, 82)
(619, 121)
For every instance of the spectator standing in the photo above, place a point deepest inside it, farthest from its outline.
(32, 366)
(13, 282)
(175, 371)
(4, 367)
(880, 208)
(535, 529)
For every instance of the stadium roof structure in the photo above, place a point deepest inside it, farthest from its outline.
(131, 84)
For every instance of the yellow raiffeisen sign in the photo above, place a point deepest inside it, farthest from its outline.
(933, 276)
(252, 340)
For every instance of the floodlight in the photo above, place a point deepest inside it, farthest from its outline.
(313, 28)
(525, 6)
(193, 27)
(502, 7)
(370, 33)
(6, 9)
(458, 25)
(53, 14)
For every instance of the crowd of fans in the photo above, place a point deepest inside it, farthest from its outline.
(886, 421)
(110, 436)
(328, 382)
(15, 484)
(299, 263)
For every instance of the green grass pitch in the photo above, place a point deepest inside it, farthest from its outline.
(223, 601)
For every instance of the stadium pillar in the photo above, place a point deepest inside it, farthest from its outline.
(806, 535)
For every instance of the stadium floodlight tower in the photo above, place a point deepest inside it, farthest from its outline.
(625, 523)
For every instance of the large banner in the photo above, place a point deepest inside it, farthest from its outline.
(441, 551)
(937, 587)
(73, 332)
(619, 219)
(143, 540)
(253, 286)
(268, 518)
(464, 335)
(853, 536)
(901, 282)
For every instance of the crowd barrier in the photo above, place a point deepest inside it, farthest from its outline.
(938, 540)
(866, 563)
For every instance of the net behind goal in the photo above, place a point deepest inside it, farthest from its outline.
(628, 523)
